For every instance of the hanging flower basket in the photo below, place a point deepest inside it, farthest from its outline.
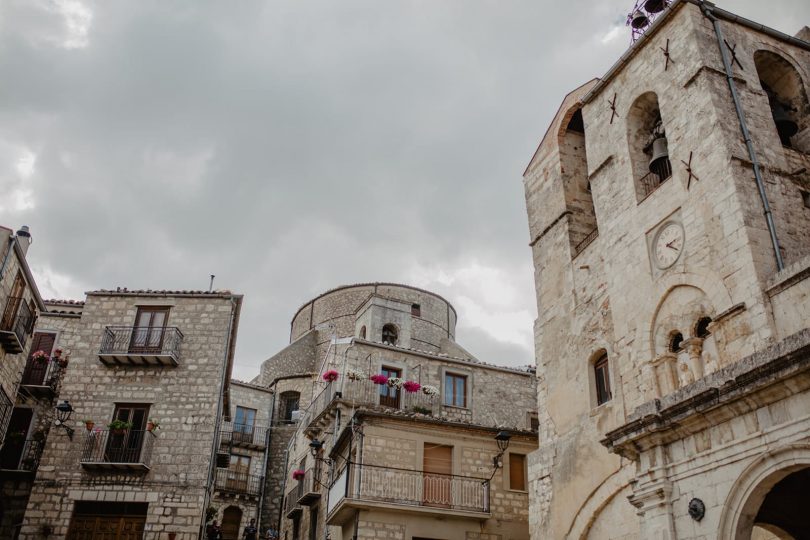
(353, 375)
(411, 386)
(429, 390)
(298, 474)
(379, 379)
(40, 357)
(395, 382)
(331, 376)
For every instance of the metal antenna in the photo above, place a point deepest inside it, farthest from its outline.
(211, 285)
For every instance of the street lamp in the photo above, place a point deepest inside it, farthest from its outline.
(502, 439)
(63, 412)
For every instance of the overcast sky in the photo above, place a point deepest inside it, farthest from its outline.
(291, 147)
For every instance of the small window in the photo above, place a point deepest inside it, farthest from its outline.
(806, 198)
(389, 334)
(244, 420)
(363, 332)
(289, 403)
(455, 390)
(675, 342)
(517, 472)
(534, 423)
(601, 371)
(702, 327)
(416, 310)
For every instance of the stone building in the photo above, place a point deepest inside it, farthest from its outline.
(132, 445)
(385, 427)
(669, 214)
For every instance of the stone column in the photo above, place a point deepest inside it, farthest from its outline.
(652, 496)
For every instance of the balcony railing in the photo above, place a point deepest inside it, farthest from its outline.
(238, 482)
(16, 325)
(585, 242)
(141, 346)
(21, 454)
(653, 180)
(309, 488)
(388, 485)
(245, 435)
(126, 449)
(292, 507)
(41, 377)
(365, 392)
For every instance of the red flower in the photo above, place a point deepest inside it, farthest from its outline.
(411, 386)
(379, 379)
(298, 474)
(331, 375)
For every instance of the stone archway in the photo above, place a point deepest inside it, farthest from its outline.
(770, 497)
(231, 520)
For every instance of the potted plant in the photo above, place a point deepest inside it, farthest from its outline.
(421, 410)
(411, 386)
(353, 375)
(429, 390)
(89, 424)
(395, 382)
(379, 379)
(40, 357)
(119, 427)
(298, 474)
(331, 376)
(152, 425)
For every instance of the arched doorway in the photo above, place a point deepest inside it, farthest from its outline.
(231, 519)
(770, 499)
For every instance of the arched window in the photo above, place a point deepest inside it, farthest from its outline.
(288, 402)
(389, 334)
(363, 332)
(787, 99)
(601, 377)
(675, 342)
(578, 198)
(702, 327)
(647, 139)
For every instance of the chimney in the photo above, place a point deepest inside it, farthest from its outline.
(24, 238)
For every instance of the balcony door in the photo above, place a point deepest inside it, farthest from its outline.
(125, 446)
(244, 425)
(150, 326)
(35, 372)
(389, 397)
(14, 302)
(238, 471)
(16, 435)
(436, 479)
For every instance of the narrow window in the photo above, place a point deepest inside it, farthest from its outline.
(416, 310)
(289, 403)
(389, 396)
(313, 522)
(389, 334)
(534, 423)
(806, 198)
(675, 342)
(150, 327)
(582, 228)
(15, 300)
(363, 332)
(243, 424)
(517, 472)
(601, 371)
(455, 390)
(702, 327)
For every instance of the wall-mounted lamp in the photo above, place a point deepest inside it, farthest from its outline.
(502, 439)
(63, 412)
(315, 447)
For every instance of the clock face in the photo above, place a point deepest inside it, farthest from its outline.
(668, 245)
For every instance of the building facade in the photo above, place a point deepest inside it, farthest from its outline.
(669, 214)
(385, 427)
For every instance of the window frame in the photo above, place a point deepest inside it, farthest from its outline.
(525, 475)
(450, 397)
(245, 425)
(601, 365)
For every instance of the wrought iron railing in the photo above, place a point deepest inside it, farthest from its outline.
(18, 318)
(41, 373)
(21, 454)
(245, 434)
(312, 481)
(124, 340)
(585, 242)
(126, 446)
(366, 392)
(653, 180)
(291, 499)
(6, 407)
(411, 488)
(236, 481)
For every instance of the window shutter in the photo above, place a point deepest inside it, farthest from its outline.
(517, 476)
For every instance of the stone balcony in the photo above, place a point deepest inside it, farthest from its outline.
(364, 487)
(236, 482)
(124, 449)
(140, 346)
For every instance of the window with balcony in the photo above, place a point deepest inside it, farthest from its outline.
(150, 326)
(18, 318)
(149, 342)
(389, 396)
(455, 390)
(38, 375)
(126, 444)
(517, 472)
(244, 424)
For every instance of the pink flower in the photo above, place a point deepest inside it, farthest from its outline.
(411, 386)
(298, 474)
(379, 379)
(331, 375)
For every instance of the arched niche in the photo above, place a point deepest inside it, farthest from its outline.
(576, 187)
(647, 145)
(787, 98)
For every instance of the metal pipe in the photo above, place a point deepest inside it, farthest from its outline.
(267, 440)
(707, 12)
(11, 242)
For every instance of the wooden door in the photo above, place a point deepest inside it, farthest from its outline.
(231, 519)
(126, 447)
(14, 302)
(150, 326)
(106, 528)
(238, 471)
(35, 372)
(436, 479)
(389, 397)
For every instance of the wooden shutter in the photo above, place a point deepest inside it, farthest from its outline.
(517, 472)
(43, 341)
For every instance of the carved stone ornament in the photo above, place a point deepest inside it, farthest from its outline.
(697, 509)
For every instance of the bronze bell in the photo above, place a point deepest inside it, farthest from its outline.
(660, 154)
(655, 6)
(639, 20)
(785, 125)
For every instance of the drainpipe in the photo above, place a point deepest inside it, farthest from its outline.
(707, 7)
(11, 242)
(267, 441)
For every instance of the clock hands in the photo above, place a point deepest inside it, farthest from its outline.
(670, 246)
